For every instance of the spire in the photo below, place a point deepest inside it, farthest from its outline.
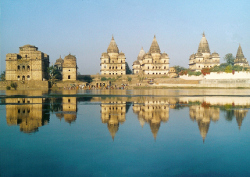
(154, 129)
(154, 46)
(203, 46)
(141, 54)
(239, 54)
(112, 46)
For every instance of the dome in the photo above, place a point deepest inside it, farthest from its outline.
(121, 55)
(164, 55)
(112, 47)
(192, 56)
(203, 46)
(136, 62)
(59, 61)
(154, 47)
(105, 55)
(215, 54)
(70, 57)
(69, 61)
(29, 46)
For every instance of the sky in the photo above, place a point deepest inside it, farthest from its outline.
(84, 28)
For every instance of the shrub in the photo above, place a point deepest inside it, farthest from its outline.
(129, 79)
(13, 85)
(229, 69)
(103, 79)
(205, 71)
(7, 87)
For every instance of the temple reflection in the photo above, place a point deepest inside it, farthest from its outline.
(152, 111)
(33, 110)
(67, 106)
(203, 115)
(28, 113)
(113, 113)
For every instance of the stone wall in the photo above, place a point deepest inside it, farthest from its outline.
(192, 77)
(223, 75)
(26, 85)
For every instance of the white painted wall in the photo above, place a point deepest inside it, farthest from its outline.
(223, 75)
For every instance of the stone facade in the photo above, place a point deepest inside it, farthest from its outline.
(203, 58)
(69, 68)
(113, 62)
(240, 59)
(28, 64)
(152, 63)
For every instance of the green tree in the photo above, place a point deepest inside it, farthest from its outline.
(54, 74)
(229, 69)
(178, 69)
(2, 77)
(128, 70)
(229, 58)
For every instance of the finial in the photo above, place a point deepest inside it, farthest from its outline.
(112, 37)
(141, 48)
(154, 36)
(203, 34)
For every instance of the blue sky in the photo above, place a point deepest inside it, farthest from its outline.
(84, 28)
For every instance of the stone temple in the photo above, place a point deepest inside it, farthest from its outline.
(28, 65)
(240, 59)
(152, 63)
(203, 58)
(113, 62)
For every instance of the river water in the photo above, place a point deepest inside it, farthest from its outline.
(157, 132)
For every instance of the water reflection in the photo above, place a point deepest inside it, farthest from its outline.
(152, 111)
(33, 111)
(28, 113)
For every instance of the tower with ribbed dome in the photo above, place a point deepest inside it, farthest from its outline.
(240, 58)
(113, 61)
(69, 68)
(203, 58)
(152, 63)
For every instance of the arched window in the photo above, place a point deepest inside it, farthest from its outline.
(23, 67)
(68, 76)
(28, 67)
(18, 67)
(28, 76)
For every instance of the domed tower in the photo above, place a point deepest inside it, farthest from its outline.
(113, 62)
(155, 62)
(58, 64)
(69, 68)
(203, 58)
(240, 58)
(137, 63)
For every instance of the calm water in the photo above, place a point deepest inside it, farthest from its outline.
(125, 133)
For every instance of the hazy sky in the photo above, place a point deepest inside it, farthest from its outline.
(84, 28)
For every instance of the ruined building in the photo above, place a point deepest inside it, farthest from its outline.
(69, 68)
(203, 58)
(152, 63)
(28, 64)
(113, 62)
(240, 59)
